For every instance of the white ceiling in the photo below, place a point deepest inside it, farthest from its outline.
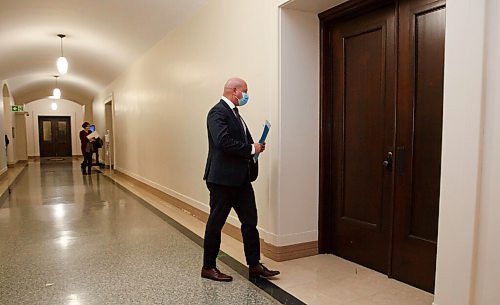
(103, 38)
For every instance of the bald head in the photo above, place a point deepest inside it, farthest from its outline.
(233, 89)
(234, 83)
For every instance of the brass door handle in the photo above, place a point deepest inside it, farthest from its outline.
(388, 161)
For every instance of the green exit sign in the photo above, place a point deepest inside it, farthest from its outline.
(17, 108)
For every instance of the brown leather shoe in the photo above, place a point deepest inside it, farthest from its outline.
(215, 275)
(262, 271)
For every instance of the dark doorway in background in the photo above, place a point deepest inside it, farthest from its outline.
(108, 148)
(54, 136)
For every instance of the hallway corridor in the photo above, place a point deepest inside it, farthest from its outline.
(72, 239)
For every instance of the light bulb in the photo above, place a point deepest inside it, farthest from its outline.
(62, 65)
(56, 93)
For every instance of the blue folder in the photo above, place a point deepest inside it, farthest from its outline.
(263, 137)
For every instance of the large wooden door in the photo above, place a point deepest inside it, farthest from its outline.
(381, 125)
(419, 134)
(54, 136)
(363, 90)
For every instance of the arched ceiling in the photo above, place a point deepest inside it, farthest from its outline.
(102, 39)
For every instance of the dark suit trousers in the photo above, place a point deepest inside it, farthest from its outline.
(222, 199)
(87, 162)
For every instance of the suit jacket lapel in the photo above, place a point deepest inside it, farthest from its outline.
(233, 117)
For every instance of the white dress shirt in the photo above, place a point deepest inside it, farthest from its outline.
(232, 106)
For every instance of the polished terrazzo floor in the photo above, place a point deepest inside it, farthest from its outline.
(72, 239)
(315, 280)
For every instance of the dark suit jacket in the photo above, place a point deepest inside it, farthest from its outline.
(229, 160)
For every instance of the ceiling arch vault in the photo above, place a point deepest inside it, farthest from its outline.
(102, 39)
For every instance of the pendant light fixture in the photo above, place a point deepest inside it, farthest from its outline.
(56, 93)
(62, 62)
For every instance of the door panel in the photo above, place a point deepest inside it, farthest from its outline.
(363, 134)
(364, 127)
(419, 135)
(55, 136)
(63, 140)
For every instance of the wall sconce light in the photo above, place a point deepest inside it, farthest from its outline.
(62, 62)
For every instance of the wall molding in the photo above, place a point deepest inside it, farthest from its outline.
(276, 253)
(37, 158)
(3, 172)
(286, 253)
(17, 163)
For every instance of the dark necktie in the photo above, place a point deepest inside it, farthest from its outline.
(237, 113)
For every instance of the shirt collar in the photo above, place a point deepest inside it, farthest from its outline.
(228, 102)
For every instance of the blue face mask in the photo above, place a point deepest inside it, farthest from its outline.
(243, 100)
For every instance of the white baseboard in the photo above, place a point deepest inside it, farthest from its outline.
(271, 238)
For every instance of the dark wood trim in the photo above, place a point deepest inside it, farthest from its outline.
(276, 253)
(12, 182)
(286, 253)
(4, 174)
(352, 8)
(325, 223)
(37, 158)
(17, 163)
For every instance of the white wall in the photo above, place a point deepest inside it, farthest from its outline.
(21, 137)
(297, 163)
(43, 108)
(488, 248)
(462, 127)
(161, 102)
(164, 97)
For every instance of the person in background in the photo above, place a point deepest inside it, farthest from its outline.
(87, 149)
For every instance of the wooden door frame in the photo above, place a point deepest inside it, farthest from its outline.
(111, 100)
(326, 206)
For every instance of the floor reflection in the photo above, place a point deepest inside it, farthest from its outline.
(72, 239)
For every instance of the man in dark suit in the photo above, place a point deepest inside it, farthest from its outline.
(229, 172)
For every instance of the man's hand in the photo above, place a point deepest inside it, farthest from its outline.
(259, 147)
